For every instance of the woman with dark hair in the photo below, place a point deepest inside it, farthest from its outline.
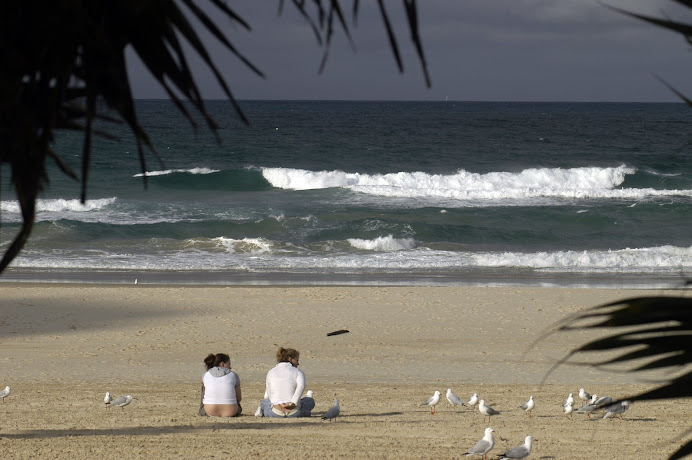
(285, 385)
(221, 387)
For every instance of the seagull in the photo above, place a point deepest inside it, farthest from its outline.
(569, 401)
(617, 409)
(309, 394)
(521, 451)
(483, 446)
(583, 395)
(122, 401)
(487, 411)
(333, 411)
(453, 399)
(432, 401)
(5, 393)
(528, 406)
(589, 406)
(108, 399)
(568, 409)
(603, 401)
(473, 400)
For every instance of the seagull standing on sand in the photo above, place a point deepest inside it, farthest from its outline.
(483, 446)
(473, 400)
(108, 399)
(5, 393)
(309, 394)
(487, 411)
(617, 409)
(583, 395)
(521, 451)
(453, 399)
(432, 402)
(589, 406)
(122, 401)
(569, 401)
(333, 411)
(528, 406)
(568, 409)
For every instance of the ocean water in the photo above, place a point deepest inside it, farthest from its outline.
(594, 194)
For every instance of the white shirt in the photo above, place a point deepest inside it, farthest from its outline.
(285, 383)
(221, 389)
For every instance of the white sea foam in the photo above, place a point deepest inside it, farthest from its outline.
(587, 182)
(60, 205)
(172, 171)
(246, 245)
(383, 243)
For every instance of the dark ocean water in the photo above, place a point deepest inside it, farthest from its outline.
(377, 193)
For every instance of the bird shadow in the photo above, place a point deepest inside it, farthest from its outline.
(383, 414)
(147, 430)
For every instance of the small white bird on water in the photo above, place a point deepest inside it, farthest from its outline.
(122, 401)
(5, 393)
(487, 411)
(432, 401)
(333, 411)
(483, 446)
(528, 406)
(108, 399)
(521, 451)
(473, 400)
(453, 399)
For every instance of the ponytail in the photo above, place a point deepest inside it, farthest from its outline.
(213, 360)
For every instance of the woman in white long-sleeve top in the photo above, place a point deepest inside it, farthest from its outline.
(285, 385)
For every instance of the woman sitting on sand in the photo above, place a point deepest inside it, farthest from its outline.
(221, 387)
(285, 385)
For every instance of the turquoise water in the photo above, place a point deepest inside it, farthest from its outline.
(377, 192)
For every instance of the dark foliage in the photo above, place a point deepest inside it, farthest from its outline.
(63, 67)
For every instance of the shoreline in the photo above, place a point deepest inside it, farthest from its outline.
(474, 278)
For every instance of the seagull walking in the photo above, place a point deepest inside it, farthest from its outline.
(528, 406)
(473, 400)
(521, 451)
(122, 401)
(617, 409)
(5, 393)
(483, 446)
(432, 401)
(487, 411)
(589, 406)
(453, 399)
(333, 411)
(108, 399)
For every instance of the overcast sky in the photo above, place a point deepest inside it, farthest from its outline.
(480, 50)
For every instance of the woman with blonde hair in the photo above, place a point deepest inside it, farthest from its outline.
(285, 386)
(221, 387)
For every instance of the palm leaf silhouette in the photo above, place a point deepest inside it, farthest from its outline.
(63, 67)
(660, 329)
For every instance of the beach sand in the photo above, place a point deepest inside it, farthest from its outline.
(63, 346)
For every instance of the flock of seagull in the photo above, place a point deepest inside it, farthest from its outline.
(592, 404)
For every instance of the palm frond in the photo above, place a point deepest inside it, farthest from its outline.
(658, 329)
